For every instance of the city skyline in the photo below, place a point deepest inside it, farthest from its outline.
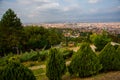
(51, 11)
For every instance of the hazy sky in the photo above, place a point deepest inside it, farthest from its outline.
(37, 11)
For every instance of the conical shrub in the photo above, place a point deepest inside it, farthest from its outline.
(55, 66)
(109, 58)
(16, 71)
(85, 62)
(117, 60)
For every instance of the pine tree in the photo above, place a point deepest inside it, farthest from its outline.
(109, 58)
(55, 67)
(85, 62)
(10, 31)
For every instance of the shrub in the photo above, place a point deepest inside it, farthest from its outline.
(66, 53)
(29, 56)
(85, 62)
(16, 71)
(55, 67)
(4, 59)
(43, 55)
(117, 60)
(109, 58)
(34, 56)
(100, 40)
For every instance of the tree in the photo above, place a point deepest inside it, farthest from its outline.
(11, 30)
(109, 58)
(55, 67)
(40, 37)
(100, 40)
(85, 63)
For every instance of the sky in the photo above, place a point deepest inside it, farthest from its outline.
(52, 11)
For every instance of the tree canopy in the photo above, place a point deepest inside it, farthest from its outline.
(10, 32)
(100, 40)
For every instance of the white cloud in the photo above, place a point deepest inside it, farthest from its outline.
(56, 10)
(71, 7)
(93, 1)
(94, 10)
(118, 7)
(48, 6)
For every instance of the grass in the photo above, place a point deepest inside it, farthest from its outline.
(38, 68)
(40, 74)
(33, 63)
(103, 76)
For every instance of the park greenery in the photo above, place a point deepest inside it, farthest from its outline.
(24, 47)
(85, 62)
(110, 58)
(16, 71)
(55, 66)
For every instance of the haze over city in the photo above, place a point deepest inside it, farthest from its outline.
(60, 11)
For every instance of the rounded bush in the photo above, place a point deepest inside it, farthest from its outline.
(16, 71)
(85, 62)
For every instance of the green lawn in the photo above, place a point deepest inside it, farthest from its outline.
(39, 72)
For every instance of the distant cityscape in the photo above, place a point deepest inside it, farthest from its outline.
(112, 28)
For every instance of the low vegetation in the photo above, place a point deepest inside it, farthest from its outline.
(16, 71)
(27, 53)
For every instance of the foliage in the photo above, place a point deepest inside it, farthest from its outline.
(85, 36)
(117, 60)
(34, 56)
(38, 71)
(4, 60)
(100, 40)
(28, 56)
(40, 37)
(55, 66)
(66, 53)
(15, 38)
(10, 32)
(16, 71)
(43, 55)
(114, 37)
(85, 62)
(109, 58)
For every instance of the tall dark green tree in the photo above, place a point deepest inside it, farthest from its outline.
(55, 67)
(85, 63)
(109, 58)
(10, 32)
